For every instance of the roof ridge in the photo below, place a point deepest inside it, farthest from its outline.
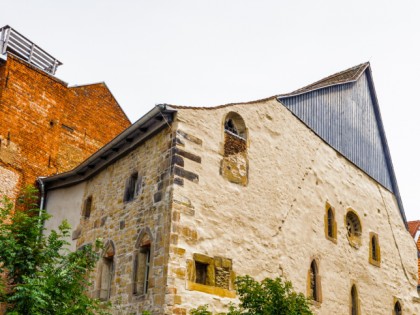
(346, 76)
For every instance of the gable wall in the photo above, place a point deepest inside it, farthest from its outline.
(48, 128)
(344, 117)
(275, 224)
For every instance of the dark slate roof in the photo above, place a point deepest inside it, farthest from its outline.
(346, 76)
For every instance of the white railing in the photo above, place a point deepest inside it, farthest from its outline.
(13, 42)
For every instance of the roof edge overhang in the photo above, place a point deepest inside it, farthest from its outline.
(147, 126)
(385, 146)
(306, 89)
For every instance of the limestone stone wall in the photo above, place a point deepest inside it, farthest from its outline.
(275, 223)
(120, 222)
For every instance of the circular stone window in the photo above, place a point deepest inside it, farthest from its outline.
(354, 229)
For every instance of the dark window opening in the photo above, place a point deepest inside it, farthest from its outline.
(201, 273)
(397, 308)
(87, 207)
(374, 248)
(230, 126)
(132, 187)
(330, 223)
(354, 228)
(234, 124)
(142, 270)
(313, 281)
(354, 301)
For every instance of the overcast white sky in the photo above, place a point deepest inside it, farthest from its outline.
(203, 53)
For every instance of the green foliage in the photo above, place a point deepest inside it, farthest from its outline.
(201, 310)
(41, 275)
(268, 297)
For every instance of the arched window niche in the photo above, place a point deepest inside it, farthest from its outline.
(397, 308)
(330, 223)
(354, 301)
(106, 271)
(234, 165)
(354, 228)
(142, 262)
(314, 283)
(374, 250)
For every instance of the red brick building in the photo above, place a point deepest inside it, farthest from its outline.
(47, 127)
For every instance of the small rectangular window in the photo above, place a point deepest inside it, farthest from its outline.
(132, 187)
(201, 273)
(87, 209)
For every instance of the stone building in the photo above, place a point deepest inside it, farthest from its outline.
(299, 185)
(47, 127)
(414, 229)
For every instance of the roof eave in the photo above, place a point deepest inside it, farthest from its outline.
(155, 120)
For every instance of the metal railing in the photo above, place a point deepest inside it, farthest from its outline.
(17, 44)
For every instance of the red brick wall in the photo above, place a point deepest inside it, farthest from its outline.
(47, 127)
(418, 247)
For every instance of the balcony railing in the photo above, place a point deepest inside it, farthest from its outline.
(13, 42)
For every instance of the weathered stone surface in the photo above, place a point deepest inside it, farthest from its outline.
(190, 137)
(277, 219)
(178, 160)
(123, 223)
(47, 127)
(179, 181)
(272, 225)
(188, 155)
(186, 174)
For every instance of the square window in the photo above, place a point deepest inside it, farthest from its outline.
(201, 273)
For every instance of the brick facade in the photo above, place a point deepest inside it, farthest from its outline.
(47, 127)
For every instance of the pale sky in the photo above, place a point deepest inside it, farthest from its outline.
(205, 53)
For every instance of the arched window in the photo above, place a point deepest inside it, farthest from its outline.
(314, 282)
(354, 228)
(235, 159)
(374, 249)
(106, 271)
(235, 125)
(330, 223)
(354, 301)
(397, 308)
(142, 259)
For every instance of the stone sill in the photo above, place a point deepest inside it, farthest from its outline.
(210, 290)
(373, 262)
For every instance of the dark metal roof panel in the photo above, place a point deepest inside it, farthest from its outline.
(344, 116)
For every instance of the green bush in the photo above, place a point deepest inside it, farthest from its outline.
(41, 276)
(268, 297)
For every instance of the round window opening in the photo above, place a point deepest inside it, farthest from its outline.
(354, 228)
